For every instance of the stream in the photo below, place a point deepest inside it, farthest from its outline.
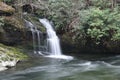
(84, 67)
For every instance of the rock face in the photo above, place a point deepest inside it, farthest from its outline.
(87, 46)
(5, 9)
(12, 32)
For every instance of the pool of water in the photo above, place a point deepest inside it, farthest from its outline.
(80, 68)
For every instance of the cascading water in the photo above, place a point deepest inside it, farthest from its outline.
(53, 44)
(52, 40)
(36, 35)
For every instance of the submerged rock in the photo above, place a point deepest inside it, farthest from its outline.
(6, 9)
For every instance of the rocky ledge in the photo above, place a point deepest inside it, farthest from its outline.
(6, 9)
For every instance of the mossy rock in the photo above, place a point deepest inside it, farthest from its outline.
(12, 53)
(9, 56)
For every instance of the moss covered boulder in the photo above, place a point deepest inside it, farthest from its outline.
(9, 56)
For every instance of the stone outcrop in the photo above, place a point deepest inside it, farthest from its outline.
(12, 32)
(6, 9)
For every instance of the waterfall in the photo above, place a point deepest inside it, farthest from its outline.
(36, 35)
(51, 48)
(53, 44)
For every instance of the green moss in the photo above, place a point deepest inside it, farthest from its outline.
(12, 53)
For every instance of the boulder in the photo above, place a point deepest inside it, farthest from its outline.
(6, 9)
(9, 56)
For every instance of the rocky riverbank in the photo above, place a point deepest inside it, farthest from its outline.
(11, 33)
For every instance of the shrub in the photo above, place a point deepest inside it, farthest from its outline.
(101, 25)
(1, 21)
(62, 12)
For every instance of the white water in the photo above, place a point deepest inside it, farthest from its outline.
(36, 34)
(53, 43)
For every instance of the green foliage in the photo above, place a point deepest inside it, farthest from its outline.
(8, 1)
(59, 12)
(62, 12)
(101, 24)
(98, 20)
(101, 3)
(1, 21)
(95, 33)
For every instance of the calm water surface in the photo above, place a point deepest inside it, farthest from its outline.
(82, 68)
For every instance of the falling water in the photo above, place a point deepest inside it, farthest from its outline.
(52, 40)
(53, 44)
(36, 35)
